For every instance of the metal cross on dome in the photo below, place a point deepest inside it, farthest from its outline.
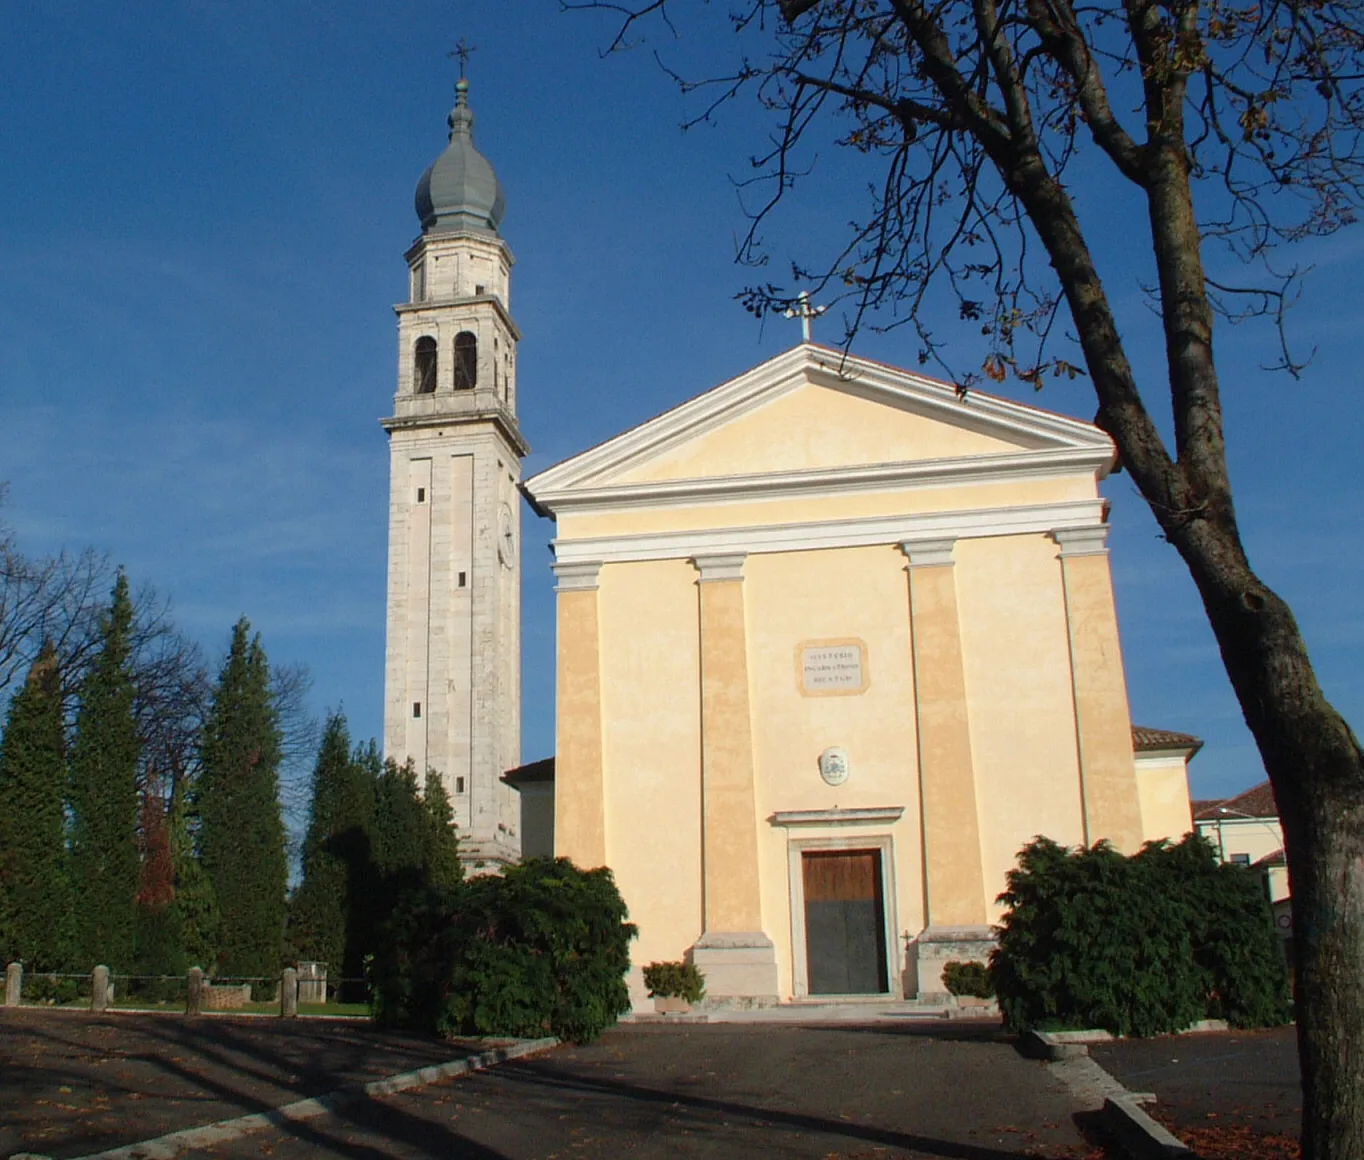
(805, 311)
(462, 50)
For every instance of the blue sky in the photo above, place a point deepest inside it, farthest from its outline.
(203, 213)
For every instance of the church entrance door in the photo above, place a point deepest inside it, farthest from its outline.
(844, 922)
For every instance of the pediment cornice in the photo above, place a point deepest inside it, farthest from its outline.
(1041, 443)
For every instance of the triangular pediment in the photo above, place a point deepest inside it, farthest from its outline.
(811, 414)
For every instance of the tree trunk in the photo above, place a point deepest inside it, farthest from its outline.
(1316, 769)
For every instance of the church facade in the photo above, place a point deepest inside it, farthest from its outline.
(833, 644)
(452, 690)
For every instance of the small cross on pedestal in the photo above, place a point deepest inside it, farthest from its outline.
(805, 311)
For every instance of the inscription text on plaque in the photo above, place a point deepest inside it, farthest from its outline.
(832, 667)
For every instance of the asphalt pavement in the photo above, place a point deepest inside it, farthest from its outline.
(72, 1084)
(1248, 1078)
(955, 1091)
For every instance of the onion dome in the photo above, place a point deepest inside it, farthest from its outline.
(460, 191)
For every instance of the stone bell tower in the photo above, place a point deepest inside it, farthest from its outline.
(452, 687)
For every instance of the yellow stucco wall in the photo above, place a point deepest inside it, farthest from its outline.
(579, 788)
(652, 749)
(1019, 696)
(816, 426)
(1163, 791)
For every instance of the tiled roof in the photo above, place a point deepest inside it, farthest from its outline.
(1145, 739)
(1256, 802)
(532, 772)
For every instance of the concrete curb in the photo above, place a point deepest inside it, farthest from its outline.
(1137, 1134)
(174, 1143)
(1119, 1112)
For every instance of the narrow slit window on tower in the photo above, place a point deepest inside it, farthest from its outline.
(424, 366)
(421, 495)
(462, 579)
(416, 708)
(459, 785)
(479, 288)
(466, 360)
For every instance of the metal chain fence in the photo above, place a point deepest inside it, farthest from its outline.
(305, 991)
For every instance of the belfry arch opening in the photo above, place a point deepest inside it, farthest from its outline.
(466, 360)
(424, 366)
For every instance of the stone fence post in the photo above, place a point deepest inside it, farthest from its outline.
(288, 994)
(14, 984)
(194, 992)
(99, 988)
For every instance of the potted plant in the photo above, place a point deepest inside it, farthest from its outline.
(674, 987)
(970, 983)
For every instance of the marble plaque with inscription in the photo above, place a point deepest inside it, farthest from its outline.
(832, 668)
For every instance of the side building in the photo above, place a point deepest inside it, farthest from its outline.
(453, 670)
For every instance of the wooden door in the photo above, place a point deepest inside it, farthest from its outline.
(844, 922)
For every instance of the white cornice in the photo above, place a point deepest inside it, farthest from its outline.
(578, 576)
(934, 553)
(846, 533)
(727, 567)
(448, 240)
(1082, 541)
(856, 816)
(465, 424)
(446, 307)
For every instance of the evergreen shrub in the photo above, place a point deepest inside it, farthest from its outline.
(541, 949)
(1140, 946)
(966, 978)
(675, 980)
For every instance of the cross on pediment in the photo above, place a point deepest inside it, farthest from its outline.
(805, 311)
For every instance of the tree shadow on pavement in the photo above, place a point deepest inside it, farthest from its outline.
(719, 1110)
(377, 1123)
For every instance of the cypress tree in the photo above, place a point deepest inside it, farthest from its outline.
(401, 824)
(440, 861)
(104, 803)
(195, 907)
(35, 899)
(242, 830)
(318, 915)
(353, 844)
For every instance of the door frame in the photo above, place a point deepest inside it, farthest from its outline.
(883, 844)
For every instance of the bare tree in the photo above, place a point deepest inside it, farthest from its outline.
(171, 692)
(300, 736)
(57, 599)
(1234, 126)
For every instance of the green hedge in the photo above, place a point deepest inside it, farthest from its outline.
(541, 949)
(675, 980)
(967, 978)
(1139, 946)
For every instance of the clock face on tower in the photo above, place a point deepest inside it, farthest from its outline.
(506, 537)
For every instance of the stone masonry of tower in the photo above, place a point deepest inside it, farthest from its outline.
(452, 686)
